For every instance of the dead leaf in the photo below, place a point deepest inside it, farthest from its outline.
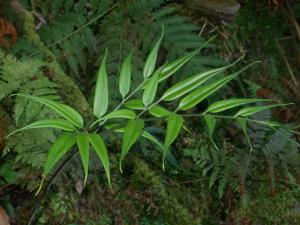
(79, 187)
(4, 220)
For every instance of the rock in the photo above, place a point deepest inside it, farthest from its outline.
(4, 220)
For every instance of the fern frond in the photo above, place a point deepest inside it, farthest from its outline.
(13, 74)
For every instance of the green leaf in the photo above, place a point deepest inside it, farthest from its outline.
(175, 123)
(196, 80)
(65, 111)
(243, 124)
(151, 88)
(84, 151)
(49, 123)
(174, 66)
(135, 104)
(132, 132)
(159, 111)
(190, 84)
(59, 148)
(223, 105)
(101, 92)
(151, 60)
(211, 124)
(125, 76)
(100, 148)
(153, 139)
(203, 92)
(248, 111)
(121, 113)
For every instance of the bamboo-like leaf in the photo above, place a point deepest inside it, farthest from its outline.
(226, 104)
(101, 92)
(59, 148)
(125, 76)
(136, 104)
(211, 124)
(49, 123)
(174, 66)
(151, 88)
(65, 111)
(151, 60)
(84, 151)
(121, 113)
(189, 84)
(243, 124)
(248, 111)
(100, 148)
(195, 81)
(153, 139)
(175, 123)
(132, 132)
(203, 92)
(159, 111)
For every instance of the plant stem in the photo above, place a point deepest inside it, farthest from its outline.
(123, 101)
(32, 219)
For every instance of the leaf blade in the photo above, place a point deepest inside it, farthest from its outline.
(65, 111)
(151, 60)
(125, 76)
(203, 92)
(48, 123)
(100, 148)
(175, 123)
(83, 146)
(101, 92)
(131, 134)
(60, 147)
(223, 105)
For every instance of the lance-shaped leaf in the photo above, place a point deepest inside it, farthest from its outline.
(203, 92)
(65, 111)
(248, 111)
(121, 113)
(101, 91)
(226, 104)
(170, 157)
(159, 111)
(125, 76)
(100, 148)
(243, 124)
(131, 134)
(174, 66)
(175, 123)
(135, 104)
(49, 123)
(189, 84)
(211, 124)
(59, 148)
(194, 81)
(151, 88)
(151, 60)
(153, 139)
(84, 151)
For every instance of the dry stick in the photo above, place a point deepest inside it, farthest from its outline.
(286, 63)
(32, 219)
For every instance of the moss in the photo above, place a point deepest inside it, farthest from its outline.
(170, 209)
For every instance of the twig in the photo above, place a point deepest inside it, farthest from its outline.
(286, 63)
